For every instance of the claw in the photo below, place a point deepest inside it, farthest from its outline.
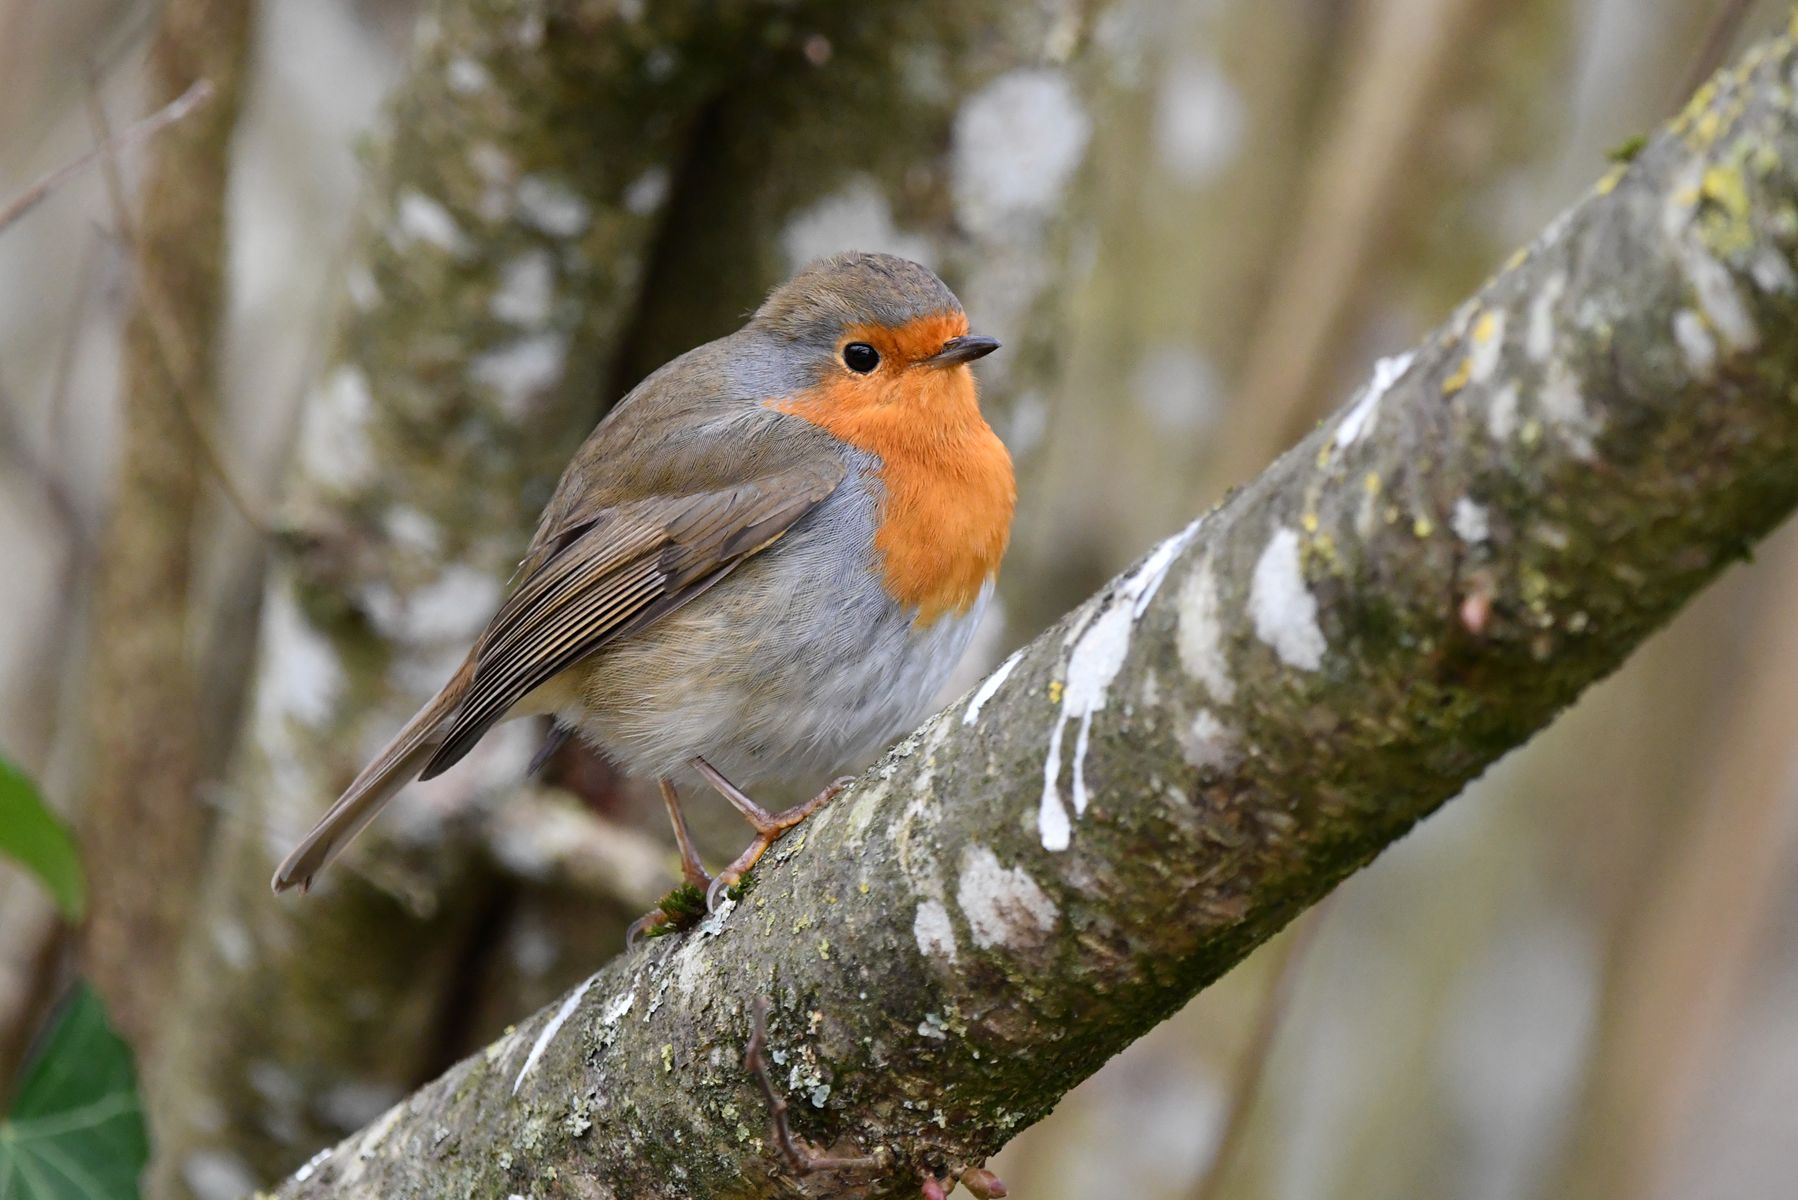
(634, 934)
(768, 826)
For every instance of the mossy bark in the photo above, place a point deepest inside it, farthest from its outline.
(1154, 787)
(143, 823)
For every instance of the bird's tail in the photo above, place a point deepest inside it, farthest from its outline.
(398, 764)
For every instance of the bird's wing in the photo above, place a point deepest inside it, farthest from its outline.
(616, 572)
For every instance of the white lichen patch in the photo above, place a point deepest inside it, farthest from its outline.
(231, 940)
(691, 966)
(1098, 656)
(1358, 418)
(311, 1165)
(1200, 120)
(300, 678)
(1017, 143)
(1564, 404)
(1282, 608)
(867, 802)
(552, 207)
(418, 218)
(521, 371)
(449, 609)
(1695, 342)
(527, 289)
(1772, 273)
(334, 441)
(1094, 661)
(465, 76)
(412, 530)
(989, 687)
(646, 192)
(216, 1175)
(492, 163)
(1471, 522)
(1719, 300)
(857, 217)
(1199, 637)
(933, 930)
(616, 1007)
(1003, 906)
(1501, 414)
(552, 1027)
(1140, 586)
(1207, 742)
(1488, 346)
(1539, 338)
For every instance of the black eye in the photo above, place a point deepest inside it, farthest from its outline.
(860, 357)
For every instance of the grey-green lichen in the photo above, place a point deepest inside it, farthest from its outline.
(1164, 779)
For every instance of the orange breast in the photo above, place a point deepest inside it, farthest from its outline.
(946, 516)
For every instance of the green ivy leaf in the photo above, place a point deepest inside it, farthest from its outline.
(30, 833)
(76, 1131)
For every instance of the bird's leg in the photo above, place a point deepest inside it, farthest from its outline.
(768, 826)
(691, 868)
(675, 909)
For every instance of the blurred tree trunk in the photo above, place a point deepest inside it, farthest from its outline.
(143, 826)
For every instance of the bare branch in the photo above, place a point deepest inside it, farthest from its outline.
(142, 131)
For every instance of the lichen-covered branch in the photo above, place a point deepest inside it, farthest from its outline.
(1124, 809)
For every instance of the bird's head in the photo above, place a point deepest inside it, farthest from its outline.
(874, 329)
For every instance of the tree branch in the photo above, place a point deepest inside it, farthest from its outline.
(1051, 866)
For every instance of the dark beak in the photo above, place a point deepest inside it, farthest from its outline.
(960, 350)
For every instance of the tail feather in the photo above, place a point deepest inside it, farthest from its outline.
(398, 764)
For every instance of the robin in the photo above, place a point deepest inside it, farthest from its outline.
(762, 564)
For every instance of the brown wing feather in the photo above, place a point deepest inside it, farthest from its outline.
(627, 567)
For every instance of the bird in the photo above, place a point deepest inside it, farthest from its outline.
(762, 564)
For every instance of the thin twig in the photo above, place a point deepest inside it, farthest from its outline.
(147, 128)
(1251, 1073)
(171, 348)
(801, 1159)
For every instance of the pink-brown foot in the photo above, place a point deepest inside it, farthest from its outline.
(681, 907)
(768, 826)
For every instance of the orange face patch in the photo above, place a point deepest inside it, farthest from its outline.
(946, 516)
